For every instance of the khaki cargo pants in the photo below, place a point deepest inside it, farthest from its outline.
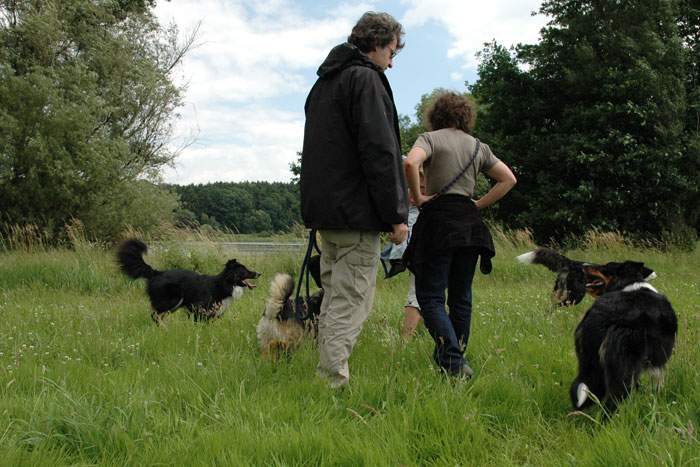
(348, 273)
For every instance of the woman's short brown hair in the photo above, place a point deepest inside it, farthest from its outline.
(451, 110)
(376, 30)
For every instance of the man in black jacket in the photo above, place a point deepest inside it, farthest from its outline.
(352, 182)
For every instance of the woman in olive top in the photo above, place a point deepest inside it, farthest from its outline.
(449, 236)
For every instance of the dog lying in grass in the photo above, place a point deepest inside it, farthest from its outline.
(205, 297)
(571, 284)
(630, 328)
(282, 326)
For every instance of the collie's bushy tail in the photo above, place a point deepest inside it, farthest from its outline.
(281, 288)
(130, 259)
(547, 258)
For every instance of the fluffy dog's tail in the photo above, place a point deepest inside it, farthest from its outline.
(130, 259)
(546, 257)
(281, 288)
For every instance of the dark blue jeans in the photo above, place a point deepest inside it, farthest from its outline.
(454, 271)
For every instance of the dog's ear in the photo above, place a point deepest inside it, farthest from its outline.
(232, 269)
(648, 273)
(633, 270)
(611, 269)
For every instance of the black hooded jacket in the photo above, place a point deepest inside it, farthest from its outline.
(351, 171)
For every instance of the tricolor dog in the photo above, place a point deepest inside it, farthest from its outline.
(571, 284)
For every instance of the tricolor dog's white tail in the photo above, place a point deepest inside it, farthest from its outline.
(527, 258)
(548, 258)
(570, 284)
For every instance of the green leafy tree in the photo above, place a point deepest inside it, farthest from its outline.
(260, 221)
(184, 218)
(689, 29)
(409, 131)
(591, 118)
(295, 168)
(86, 105)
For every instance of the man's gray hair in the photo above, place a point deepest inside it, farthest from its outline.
(376, 29)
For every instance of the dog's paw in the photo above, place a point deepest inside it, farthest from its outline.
(582, 393)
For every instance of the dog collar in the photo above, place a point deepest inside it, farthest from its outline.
(639, 285)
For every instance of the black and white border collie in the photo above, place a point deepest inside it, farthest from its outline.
(205, 297)
(630, 328)
(571, 284)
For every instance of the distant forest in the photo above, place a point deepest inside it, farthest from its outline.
(247, 207)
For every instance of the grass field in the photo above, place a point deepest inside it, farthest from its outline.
(86, 378)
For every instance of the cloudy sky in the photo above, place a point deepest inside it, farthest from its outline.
(256, 60)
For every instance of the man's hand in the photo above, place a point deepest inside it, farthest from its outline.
(399, 233)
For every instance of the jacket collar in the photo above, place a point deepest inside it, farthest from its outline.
(342, 56)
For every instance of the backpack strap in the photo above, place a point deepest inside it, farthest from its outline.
(459, 175)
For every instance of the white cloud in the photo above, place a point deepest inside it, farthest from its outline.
(472, 23)
(231, 163)
(262, 49)
(240, 144)
(248, 54)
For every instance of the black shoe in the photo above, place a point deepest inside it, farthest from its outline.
(465, 372)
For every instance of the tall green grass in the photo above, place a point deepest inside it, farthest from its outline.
(86, 377)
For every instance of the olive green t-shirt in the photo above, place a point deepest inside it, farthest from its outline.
(449, 150)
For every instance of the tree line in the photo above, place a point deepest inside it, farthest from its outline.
(246, 207)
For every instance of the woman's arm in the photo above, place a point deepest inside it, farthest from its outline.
(411, 165)
(505, 180)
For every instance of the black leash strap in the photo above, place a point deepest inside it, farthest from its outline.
(300, 309)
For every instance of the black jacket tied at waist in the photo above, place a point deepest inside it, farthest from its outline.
(445, 223)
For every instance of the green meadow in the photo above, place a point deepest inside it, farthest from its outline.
(86, 378)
